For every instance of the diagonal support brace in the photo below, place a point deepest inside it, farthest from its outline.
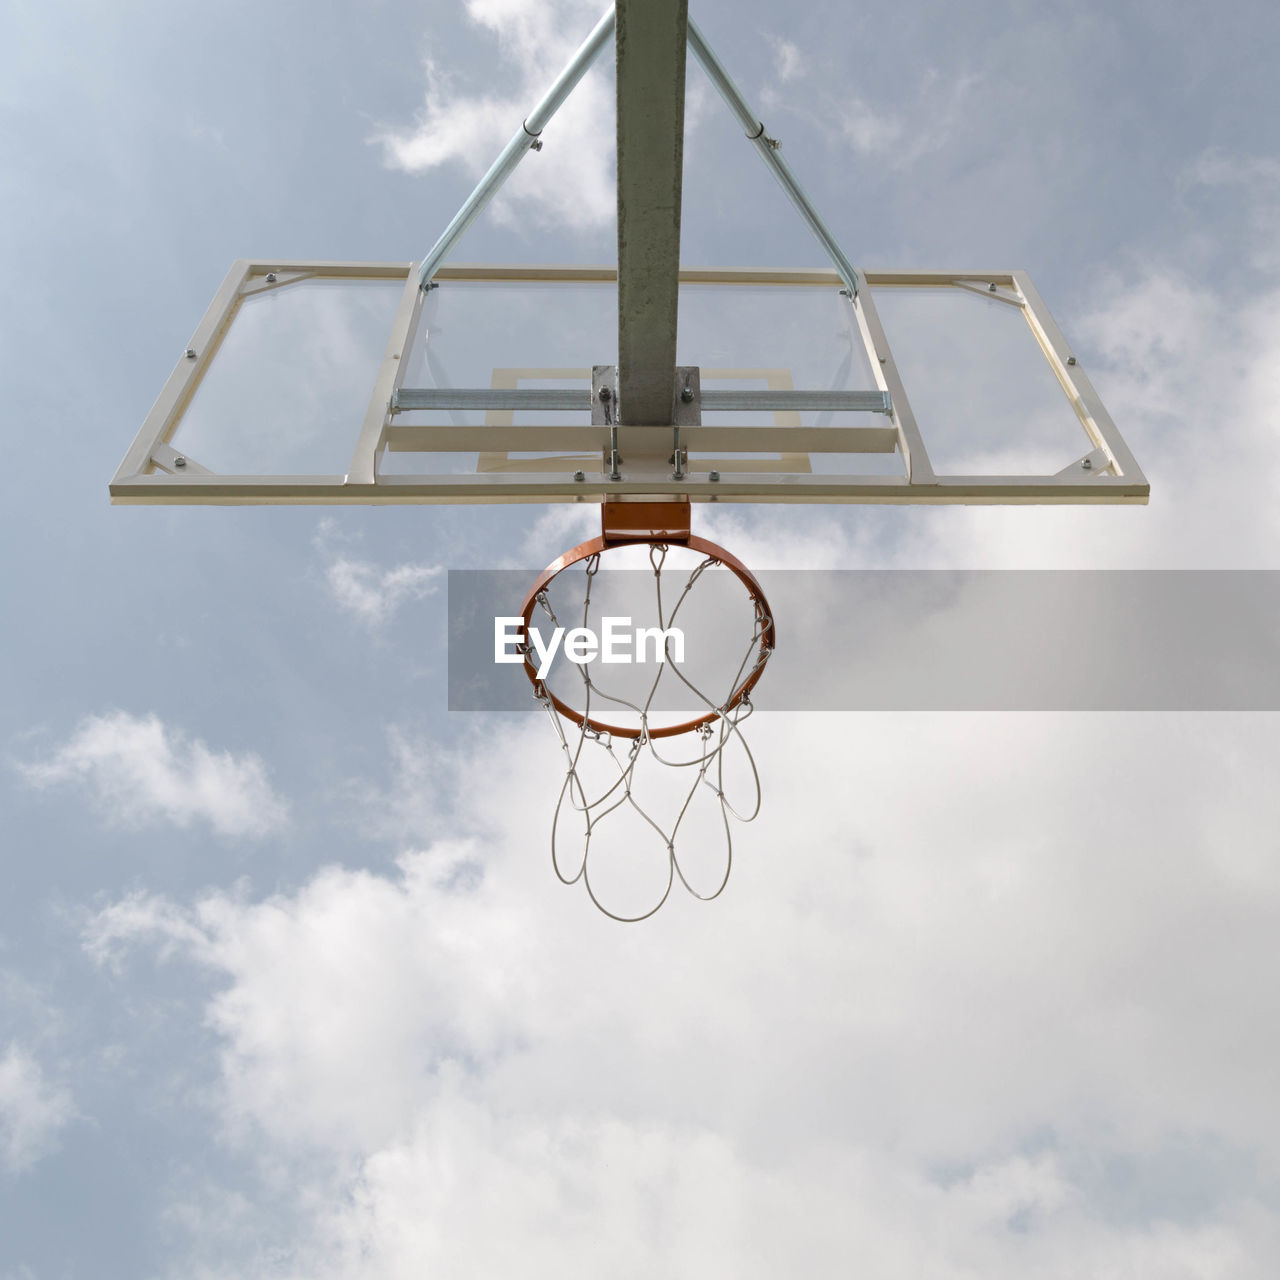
(524, 140)
(768, 149)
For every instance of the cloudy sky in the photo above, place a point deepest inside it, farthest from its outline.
(287, 987)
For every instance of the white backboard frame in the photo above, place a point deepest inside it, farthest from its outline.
(153, 472)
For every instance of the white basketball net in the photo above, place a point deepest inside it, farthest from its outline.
(705, 767)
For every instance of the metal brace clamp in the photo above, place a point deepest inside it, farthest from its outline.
(604, 413)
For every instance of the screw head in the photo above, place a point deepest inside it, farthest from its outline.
(579, 475)
(713, 475)
(191, 353)
(1071, 359)
(991, 288)
(605, 393)
(1087, 463)
(272, 277)
(179, 461)
(686, 395)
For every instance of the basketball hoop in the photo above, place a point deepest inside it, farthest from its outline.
(601, 716)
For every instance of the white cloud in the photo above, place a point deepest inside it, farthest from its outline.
(634, 1200)
(33, 1110)
(788, 62)
(570, 182)
(368, 592)
(419, 795)
(1257, 180)
(1215, 167)
(919, 123)
(554, 531)
(162, 923)
(391, 1012)
(372, 594)
(868, 131)
(141, 772)
(964, 963)
(922, 121)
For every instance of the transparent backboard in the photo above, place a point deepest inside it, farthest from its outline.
(344, 382)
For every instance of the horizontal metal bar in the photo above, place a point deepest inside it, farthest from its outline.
(759, 401)
(820, 277)
(588, 438)
(604, 273)
(333, 269)
(549, 400)
(561, 462)
(518, 487)
(578, 399)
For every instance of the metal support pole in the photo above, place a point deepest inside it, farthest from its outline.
(768, 149)
(652, 42)
(525, 140)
